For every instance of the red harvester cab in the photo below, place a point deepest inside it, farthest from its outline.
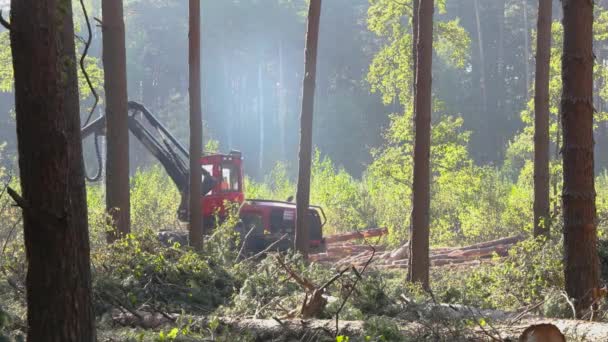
(268, 220)
(227, 171)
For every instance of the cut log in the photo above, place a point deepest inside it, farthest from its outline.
(361, 234)
(345, 253)
(503, 241)
(542, 333)
(401, 252)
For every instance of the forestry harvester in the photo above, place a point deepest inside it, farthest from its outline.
(264, 221)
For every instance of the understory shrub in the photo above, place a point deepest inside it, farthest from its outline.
(532, 267)
(139, 271)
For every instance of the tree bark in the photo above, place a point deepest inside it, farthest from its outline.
(261, 114)
(51, 171)
(282, 94)
(499, 80)
(418, 270)
(306, 116)
(415, 9)
(482, 60)
(578, 193)
(541, 120)
(196, 125)
(115, 86)
(526, 47)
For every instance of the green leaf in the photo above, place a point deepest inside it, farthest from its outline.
(173, 333)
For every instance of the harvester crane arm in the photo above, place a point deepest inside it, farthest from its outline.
(155, 137)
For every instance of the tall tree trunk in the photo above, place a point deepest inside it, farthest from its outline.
(555, 176)
(578, 194)
(228, 98)
(418, 270)
(115, 86)
(541, 120)
(196, 124)
(482, 60)
(51, 171)
(308, 99)
(526, 47)
(500, 66)
(415, 9)
(282, 105)
(261, 115)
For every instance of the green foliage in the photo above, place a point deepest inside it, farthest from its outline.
(138, 270)
(390, 72)
(522, 278)
(154, 200)
(222, 246)
(457, 213)
(98, 218)
(452, 43)
(266, 287)
(4, 322)
(92, 67)
(277, 185)
(6, 63)
(602, 248)
(344, 199)
(212, 146)
(381, 329)
(376, 293)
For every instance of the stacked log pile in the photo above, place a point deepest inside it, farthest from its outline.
(342, 251)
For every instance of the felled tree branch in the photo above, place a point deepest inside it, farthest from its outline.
(359, 277)
(305, 283)
(4, 23)
(253, 257)
(244, 243)
(35, 213)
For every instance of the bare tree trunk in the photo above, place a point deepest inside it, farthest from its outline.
(482, 60)
(261, 115)
(500, 63)
(578, 194)
(308, 99)
(556, 176)
(282, 104)
(415, 9)
(196, 124)
(115, 85)
(51, 171)
(541, 120)
(228, 98)
(418, 270)
(526, 47)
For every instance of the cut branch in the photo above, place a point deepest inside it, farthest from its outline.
(267, 248)
(4, 23)
(33, 213)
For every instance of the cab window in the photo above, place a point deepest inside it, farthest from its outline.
(209, 169)
(230, 178)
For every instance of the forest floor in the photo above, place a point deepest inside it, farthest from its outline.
(428, 322)
(278, 315)
(354, 291)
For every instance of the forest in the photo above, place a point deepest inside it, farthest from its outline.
(303, 170)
